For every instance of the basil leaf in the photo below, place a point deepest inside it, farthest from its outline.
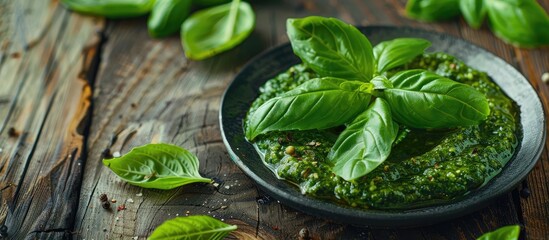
(511, 232)
(519, 22)
(396, 52)
(365, 143)
(192, 227)
(331, 47)
(422, 99)
(110, 8)
(160, 166)
(432, 10)
(217, 29)
(381, 82)
(473, 12)
(167, 16)
(316, 104)
(207, 3)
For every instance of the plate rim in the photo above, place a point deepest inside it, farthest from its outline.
(383, 218)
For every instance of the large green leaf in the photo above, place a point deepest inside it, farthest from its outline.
(511, 232)
(519, 22)
(432, 10)
(167, 16)
(160, 166)
(396, 52)
(111, 8)
(316, 104)
(365, 143)
(192, 228)
(217, 29)
(331, 47)
(473, 12)
(422, 99)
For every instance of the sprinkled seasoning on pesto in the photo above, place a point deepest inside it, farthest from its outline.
(426, 167)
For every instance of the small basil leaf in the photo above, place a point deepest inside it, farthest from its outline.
(316, 104)
(110, 8)
(192, 227)
(331, 47)
(217, 29)
(432, 10)
(511, 232)
(473, 12)
(422, 99)
(396, 52)
(160, 166)
(519, 22)
(365, 143)
(167, 16)
(381, 82)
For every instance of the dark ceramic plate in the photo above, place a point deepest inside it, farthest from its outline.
(244, 89)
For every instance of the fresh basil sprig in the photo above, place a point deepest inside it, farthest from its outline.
(473, 11)
(217, 29)
(415, 98)
(432, 10)
(111, 8)
(160, 166)
(192, 227)
(167, 16)
(510, 232)
(365, 143)
(422, 99)
(316, 104)
(331, 47)
(519, 22)
(396, 52)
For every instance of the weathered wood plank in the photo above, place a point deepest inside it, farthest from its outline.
(46, 54)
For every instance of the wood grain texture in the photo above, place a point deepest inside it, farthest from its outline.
(145, 91)
(45, 56)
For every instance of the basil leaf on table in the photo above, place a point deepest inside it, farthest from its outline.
(111, 8)
(511, 232)
(217, 29)
(473, 12)
(331, 47)
(167, 16)
(432, 10)
(192, 227)
(519, 22)
(365, 143)
(160, 166)
(316, 104)
(422, 99)
(396, 52)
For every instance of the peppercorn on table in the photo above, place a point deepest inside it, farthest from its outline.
(75, 89)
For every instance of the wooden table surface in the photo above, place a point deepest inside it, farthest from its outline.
(74, 88)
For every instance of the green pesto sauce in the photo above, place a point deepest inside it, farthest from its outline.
(424, 168)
